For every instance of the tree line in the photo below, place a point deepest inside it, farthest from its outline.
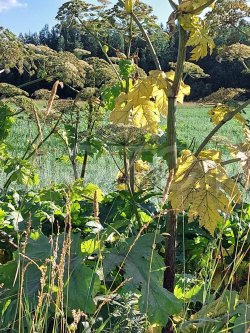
(227, 74)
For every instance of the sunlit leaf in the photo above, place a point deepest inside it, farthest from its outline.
(146, 101)
(219, 112)
(202, 187)
(198, 36)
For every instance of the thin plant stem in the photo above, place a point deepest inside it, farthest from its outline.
(89, 131)
(8, 182)
(149, 43)
(101, 43)
(75, 148)
(228, 117)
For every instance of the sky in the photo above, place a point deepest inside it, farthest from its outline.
(31, 15)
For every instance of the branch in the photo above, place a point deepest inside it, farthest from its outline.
(228, 117)
(46, 138)
(180, 61)
(72, 88)
(240, 30)
(245, 66)
(233, 160)
(150, 45)
(30, 82)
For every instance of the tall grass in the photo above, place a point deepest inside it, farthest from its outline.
(192, 125)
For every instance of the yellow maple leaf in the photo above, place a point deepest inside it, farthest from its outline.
(202, 187)
(146, 101)
(121, 113)
(161, 100)
(146, 115)
(210, 154)
(218, 113)
(203, 44)
(198, 36)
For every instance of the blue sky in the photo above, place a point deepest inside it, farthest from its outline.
(31, 15)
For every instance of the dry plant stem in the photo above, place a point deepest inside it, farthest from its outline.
(64, 262)
(233, 160)
(52, 96)
(171, 225)
(30, 83)
(150, 45)
(167, 187)
(39, 127)
(228, 117)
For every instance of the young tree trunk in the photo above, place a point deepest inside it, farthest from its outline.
(171, 225)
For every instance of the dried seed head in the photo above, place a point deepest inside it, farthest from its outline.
(122, 135)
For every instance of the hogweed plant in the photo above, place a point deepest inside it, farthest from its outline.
(197, 181)
(82, 259)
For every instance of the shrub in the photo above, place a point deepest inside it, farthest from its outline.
(224, 94)
(43, 94)
(8, 90)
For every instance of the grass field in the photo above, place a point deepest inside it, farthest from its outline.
(193, 124)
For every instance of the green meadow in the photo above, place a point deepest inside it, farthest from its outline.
(193, 124)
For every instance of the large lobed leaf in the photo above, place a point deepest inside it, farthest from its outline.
(144, 265)
(146, 101)
(220, 111)
(202, 187)
(198, 36)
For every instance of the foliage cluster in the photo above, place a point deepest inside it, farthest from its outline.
(172, 257)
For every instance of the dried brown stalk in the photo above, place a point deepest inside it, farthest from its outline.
(53, 95)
